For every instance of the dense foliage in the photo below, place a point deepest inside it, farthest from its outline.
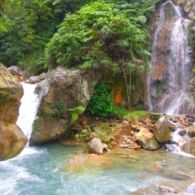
(110, 36)
(101, 34)
(101, 102)
(26, 26)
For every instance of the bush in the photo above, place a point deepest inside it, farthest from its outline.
(101, 102)
(101, 34)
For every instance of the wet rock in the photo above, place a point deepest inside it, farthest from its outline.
(190, 190)
(163, 129)
(178, 175)
(156, 167)
(67, 95)
(189, 147)
(82, 162)
(146, 139)
(12, 140)
(182, 132)
(149, 190)
(36, 79)
(96, 146)
(167, 190)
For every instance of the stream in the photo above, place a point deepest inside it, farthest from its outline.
(46, 171)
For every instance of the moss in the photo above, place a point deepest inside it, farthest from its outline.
(84, 136)
(36, 125)
(137, 114)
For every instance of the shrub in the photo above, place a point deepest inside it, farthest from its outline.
(101, 34)
(101, 102)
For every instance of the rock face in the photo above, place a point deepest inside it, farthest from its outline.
(146, 139)
(12, 140)
(163, 129)
(68, 95)
(96, 146)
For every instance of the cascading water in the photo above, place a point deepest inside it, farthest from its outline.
(28, 109)
(168, 87)
(168, 84)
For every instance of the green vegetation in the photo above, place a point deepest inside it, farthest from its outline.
(102, 130)
(102, 33)
(101, 102)
(76, 112)
(26, 26)
(58, 110)
(108, 36)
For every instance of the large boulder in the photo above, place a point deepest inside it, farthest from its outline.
(163, 129)
(65, 100)
(12, 140)
(146, 139)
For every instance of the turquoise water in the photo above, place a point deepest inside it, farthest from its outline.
(45, 171)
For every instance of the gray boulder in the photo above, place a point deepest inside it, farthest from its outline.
(96, 146)
(146, 139)
(67, 95)
(163, 129)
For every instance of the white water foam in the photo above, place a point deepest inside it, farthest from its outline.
(27, 114)
(28, 110)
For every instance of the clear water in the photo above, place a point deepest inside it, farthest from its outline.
(46, 172)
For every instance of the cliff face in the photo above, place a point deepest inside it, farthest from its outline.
(12, 140)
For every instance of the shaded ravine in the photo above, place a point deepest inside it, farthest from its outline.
(169, 92)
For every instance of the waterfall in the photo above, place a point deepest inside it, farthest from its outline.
(28, 109)
(168, 85)
(169, 81)
(27, 114)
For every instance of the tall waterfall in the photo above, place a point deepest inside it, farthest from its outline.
(168, 88)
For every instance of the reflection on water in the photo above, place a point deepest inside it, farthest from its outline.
(47, 171)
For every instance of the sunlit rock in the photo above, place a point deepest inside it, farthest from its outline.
(146, 139)
(163, 129)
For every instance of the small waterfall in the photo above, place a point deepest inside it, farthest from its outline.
(28, 109)
(168, 85)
